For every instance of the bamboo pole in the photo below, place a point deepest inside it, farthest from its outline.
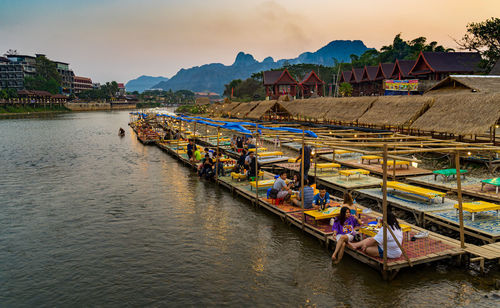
(217, 158)
(384, 205)
(459, 193)
(256, 168)
(394, 167)
(302, 182)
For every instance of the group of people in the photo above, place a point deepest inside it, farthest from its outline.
(345, 228)
(346, 225)
(283, 190)
(247, 163)
(239, 143)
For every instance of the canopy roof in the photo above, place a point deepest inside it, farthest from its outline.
(243, 109)
(396, 110)
(450, 62)
(466, 84)
(278, 78)
(268, 108)
(349, 109)
(461, 114)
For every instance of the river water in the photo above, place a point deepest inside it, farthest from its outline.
(91, 219)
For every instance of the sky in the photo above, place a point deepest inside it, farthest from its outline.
(123, 39)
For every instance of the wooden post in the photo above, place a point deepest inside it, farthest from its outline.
(194, 132)
(217, 158)
(384, 206)
(302, 182)
(315, 162)
(256, 168)
(459, 193)
(394, 167)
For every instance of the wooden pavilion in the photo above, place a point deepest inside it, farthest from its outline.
(311, 85)
(401, 69)
(438, 65)
(279, 83)
(368, 84)
(355, 81)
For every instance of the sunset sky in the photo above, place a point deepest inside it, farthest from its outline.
(123, 39)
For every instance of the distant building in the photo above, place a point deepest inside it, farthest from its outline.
(67, 76)
(11, 74)
(466, 84)
(121, 89)
(311, 85)
(211, 96)
(279, 83)
(81, 84)
(25, 66)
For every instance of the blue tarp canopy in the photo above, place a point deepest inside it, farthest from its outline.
(238, 126)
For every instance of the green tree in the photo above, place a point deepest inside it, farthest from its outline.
(46, 78)
(232, 85)
(484, 37)
(345, 89)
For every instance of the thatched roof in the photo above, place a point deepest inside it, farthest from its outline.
(315, 108)
(349, 109)
(268, 108)
(458, 84)
(243, 109)
(461, 114)
(227, 108)
(395, 110)
(294, 107)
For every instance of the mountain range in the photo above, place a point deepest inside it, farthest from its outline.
(143, 83)
(212, 77)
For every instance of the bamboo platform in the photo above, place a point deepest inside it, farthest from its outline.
(340, 183)
(486, 225)
(377, 168)
(435, 247)
(415, 206)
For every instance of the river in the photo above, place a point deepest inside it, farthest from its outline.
(91, 219)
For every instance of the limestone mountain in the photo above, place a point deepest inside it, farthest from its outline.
(212, 77)
(143, 83)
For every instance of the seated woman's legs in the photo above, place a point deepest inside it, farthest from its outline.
(340, 245)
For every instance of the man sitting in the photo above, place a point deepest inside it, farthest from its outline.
(308, 196)
(206, 167)
(191, 147)
(252, 166)
(322, 198)
(283, 190)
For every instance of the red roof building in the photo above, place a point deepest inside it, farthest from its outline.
(345, 76)
(438, 65)
(384, 71)
(279, 83)
(402, 69)
(311, 84)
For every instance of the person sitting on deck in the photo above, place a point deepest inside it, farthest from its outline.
(197, 155)
(307, 160)
(308, 197)
(252, 166)
(239, 143)
(190, 148)
(177, 135)
(349, 202)
(296, 182)
(374, 246)
(343, 231)
(322, 198)
(282, 189)
(209, 152)
(248, 160)
(206, 167)
(220, 165)
(240, 163)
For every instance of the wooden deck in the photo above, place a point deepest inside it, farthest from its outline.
(401, 172)
(435, 247)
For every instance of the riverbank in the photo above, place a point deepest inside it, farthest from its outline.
(13, 110)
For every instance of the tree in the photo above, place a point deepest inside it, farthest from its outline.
(483, 37)
(46, 78)
(345, 89)
(232, 85)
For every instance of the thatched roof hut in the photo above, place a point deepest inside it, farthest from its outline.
(395, 110)
(461, 114)
(464, 84)
(349, 109)
(268, 110)
(243, 109)
(226, 108)
(294, 107)
(312, 109)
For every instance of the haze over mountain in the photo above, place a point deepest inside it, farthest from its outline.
(212, 77)
(143, 83)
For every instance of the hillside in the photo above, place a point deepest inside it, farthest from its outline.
(143, 83)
